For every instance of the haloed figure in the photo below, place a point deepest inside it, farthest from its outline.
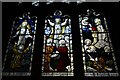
(64, 60)
(58, 27)
(48, 52)
(88, 46)
(21, 46)
(61, 59)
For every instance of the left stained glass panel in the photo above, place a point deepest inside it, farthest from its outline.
(19, 52)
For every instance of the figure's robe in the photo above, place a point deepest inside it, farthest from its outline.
(62, 60)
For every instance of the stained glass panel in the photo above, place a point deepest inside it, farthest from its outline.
(97, 50)
(19, 52)
(57, 49)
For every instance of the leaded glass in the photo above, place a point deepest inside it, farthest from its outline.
(97, 50)
(57, 49)
(19, 52)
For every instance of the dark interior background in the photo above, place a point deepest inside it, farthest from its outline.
(12, 10)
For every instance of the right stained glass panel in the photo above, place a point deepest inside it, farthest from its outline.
(97, 50)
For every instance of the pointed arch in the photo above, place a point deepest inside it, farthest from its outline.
(19, 52)
(97, 50)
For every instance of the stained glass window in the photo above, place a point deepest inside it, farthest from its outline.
(19, 52)
(57, 49)
(97, 50)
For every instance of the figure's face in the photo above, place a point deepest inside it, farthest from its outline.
(97, 21)
(62, 42)
(24, 23)
(57, 20)
(21, 47)
(88, 42)
(107, 49)
(49, 42)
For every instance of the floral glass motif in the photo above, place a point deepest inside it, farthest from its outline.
(97, 50)
(57, 49)
(19, 53)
